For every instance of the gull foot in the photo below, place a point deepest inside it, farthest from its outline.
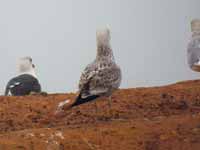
(40, 93)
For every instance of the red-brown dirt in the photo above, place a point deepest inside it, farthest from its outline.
(159, 118)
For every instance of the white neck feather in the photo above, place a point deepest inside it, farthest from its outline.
(30, 72)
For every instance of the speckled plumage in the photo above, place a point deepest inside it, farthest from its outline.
(103, 75)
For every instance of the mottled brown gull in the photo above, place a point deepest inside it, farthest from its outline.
(101, 77)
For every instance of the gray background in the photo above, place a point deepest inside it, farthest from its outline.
(149, 39)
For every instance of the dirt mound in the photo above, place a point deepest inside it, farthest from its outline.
(159, 118)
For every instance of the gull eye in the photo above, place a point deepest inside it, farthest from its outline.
(33, 65)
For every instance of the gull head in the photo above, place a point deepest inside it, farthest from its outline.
(103, 44)
(25, 65)
(103, 37)
(195, 27)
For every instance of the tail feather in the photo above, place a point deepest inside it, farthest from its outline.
(80, 100)
(7, 91)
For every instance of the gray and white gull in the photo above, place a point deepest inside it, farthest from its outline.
(26, 82)
(193, 50)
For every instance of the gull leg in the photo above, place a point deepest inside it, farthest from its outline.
(109, 106)
(109, 102)
(33, 93)
(96, 107)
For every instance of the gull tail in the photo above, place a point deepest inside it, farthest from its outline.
(7, 91)
(79, 100)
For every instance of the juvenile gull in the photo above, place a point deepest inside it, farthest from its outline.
(194, 46)
(26, 82)
(101, 77)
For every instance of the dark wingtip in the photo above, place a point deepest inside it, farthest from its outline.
(80, 100)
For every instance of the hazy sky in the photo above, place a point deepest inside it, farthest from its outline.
(149, 39)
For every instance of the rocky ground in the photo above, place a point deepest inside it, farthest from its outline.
(158, 118)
